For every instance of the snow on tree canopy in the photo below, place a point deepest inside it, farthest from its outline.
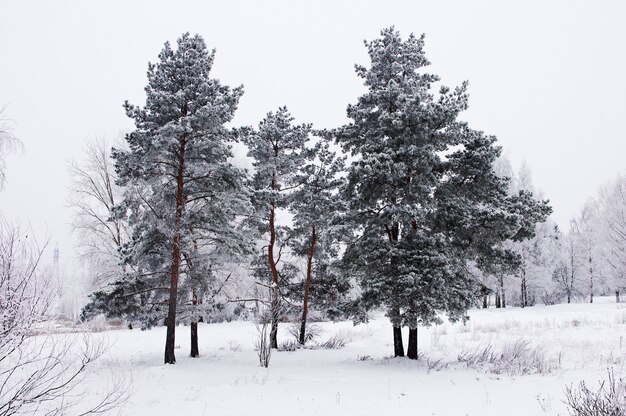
(418, 217)
(182, 194)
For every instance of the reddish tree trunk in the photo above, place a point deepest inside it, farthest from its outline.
(307, 285)
(272, 263)
(523, 292)
(170, 339)
(398, 347)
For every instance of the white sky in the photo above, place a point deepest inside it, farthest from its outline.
(548, 78)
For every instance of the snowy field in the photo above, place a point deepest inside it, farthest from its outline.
(556, 346)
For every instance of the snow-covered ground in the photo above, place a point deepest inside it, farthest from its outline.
(576, 342)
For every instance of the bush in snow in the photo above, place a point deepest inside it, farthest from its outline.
(290, 345)
(262, 343)
(312, 331)
(608, 400)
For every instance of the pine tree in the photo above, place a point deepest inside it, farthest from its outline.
(278, 150)
(316, 206)
(422, 194)
(397, 128)
(182, 193)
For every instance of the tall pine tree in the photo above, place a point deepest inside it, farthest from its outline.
(182, 193)
(421, 190)
(278, 149)
(316, 207)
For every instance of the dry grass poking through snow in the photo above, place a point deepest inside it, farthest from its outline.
(515, 358)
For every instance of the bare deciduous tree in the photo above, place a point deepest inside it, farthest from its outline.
(40, 373)
(8, 144)
(93, 196)
(615, 219)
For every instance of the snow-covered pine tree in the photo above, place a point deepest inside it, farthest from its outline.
(278, 149)
(182, 193)
(422, 194)
(316, 230)
(397, 130)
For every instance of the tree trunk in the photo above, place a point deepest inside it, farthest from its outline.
(502, 294)
(570, 289)
(194, 326)
(498, 301)
(398, 348)
(307, 285)
(523, 293)
(396, 321)
(194, 340)
(485, 301)
(170, 340)
(590, 281)
(411, 351)
(617, 296)
(272, 263)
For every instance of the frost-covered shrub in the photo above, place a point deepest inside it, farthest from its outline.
(262, 344)
(241, 312)
(516, 358)
(290, 345)
(311, 331)
(551, 296)
(608, 400)
(220, 313)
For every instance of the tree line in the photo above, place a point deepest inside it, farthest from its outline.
(402, 209)
(585, 260)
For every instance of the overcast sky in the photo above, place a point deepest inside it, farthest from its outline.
(548, 78)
